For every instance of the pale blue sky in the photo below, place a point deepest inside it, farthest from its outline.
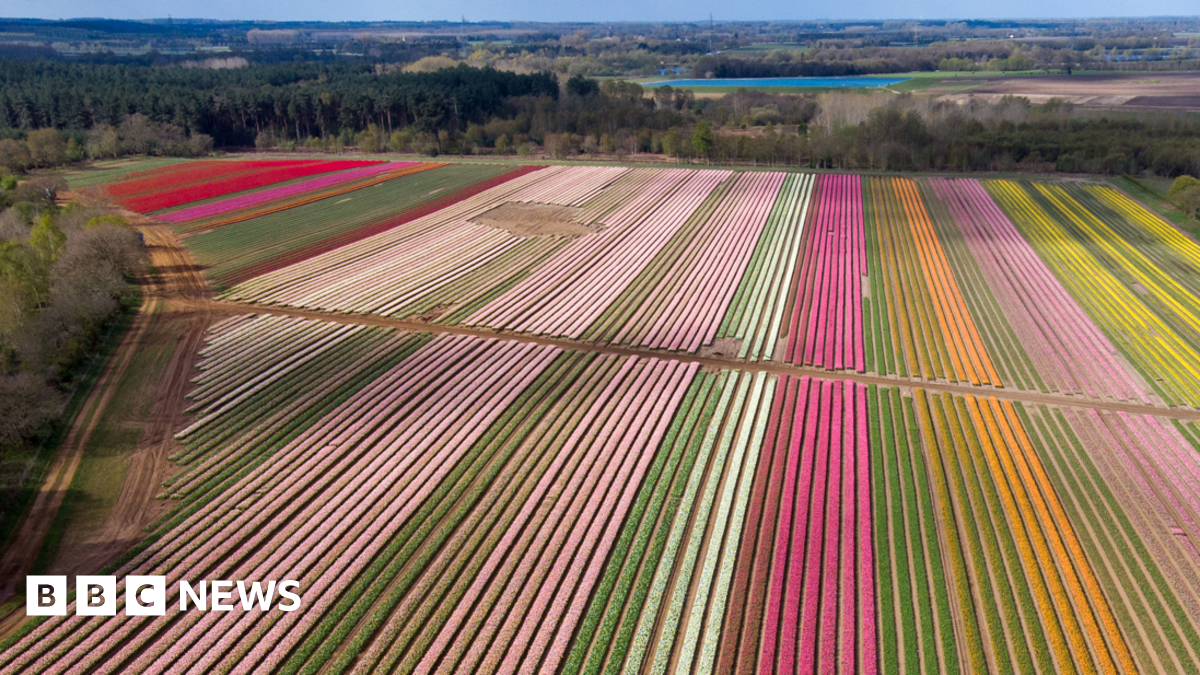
(613, 10)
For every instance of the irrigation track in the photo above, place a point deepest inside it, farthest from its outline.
(227, 307)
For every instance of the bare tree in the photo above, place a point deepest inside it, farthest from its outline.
(27, 405)
(103, 141)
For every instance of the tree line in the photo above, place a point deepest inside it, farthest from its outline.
(481, 111)
(824, 60)
(849, 131)
(65, 275)
(234, 106)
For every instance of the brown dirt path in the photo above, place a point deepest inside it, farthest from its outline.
(222, 307)
(136, 506)
(26, 544)
(170, 275)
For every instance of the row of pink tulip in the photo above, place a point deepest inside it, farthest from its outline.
(1069, 350)
(818, 605)
(685, 310)
(575, 187)
(568, 292)
(563, 533)
(827, 318)
(1154, 462)
(376, 274)
(334, 495)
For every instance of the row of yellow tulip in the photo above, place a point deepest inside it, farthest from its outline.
(1087, 260)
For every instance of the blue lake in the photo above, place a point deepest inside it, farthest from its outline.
(785, 82)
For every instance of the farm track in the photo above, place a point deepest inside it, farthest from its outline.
(718, 362)
(171, 275)
(25, 546)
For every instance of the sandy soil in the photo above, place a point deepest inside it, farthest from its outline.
(533, 220)
(136, 506)
(433, 314)
(1141, 90)
(727, 347)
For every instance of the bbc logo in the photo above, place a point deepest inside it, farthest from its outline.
(147, 595)
(95, 595)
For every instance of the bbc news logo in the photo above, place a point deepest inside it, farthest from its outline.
(147, 596)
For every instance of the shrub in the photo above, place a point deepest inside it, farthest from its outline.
(46, 147)
(1185, 194)
(13, 156)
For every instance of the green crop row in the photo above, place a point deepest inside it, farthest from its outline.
(101, 174)
(1107, 533)
(939, 442)
(342, 628)
(697, 500)
(626, 306)
(443, 585)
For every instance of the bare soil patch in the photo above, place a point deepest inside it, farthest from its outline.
(176, 277)
(533, 220)
(726, 346)
(433, 314)
(1181, 102)
(85, 552)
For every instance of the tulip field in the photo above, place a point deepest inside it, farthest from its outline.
(170, 186)
(602, 420)
(1038, 568)
(827, 322)
(258, 203)
(933, 332)
(1130, 270)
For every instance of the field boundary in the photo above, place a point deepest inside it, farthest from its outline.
(713, 361)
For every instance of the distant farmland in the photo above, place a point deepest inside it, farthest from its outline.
(597, 419)
(1169, 91)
